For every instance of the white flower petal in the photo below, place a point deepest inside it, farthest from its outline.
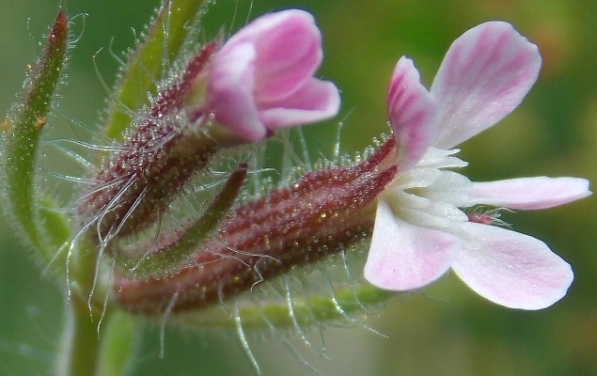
(484, 76)
(441, 158)
(529, 193)
(405, 257)
(437, 214)
(512, 269)
(400, 200)
(416, 178)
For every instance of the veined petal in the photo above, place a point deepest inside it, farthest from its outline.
(485, 75)
(529, 193)
(230, 92)
(405, 257)
(316, 100)
(412, 112)
(512, 269)
(262, 77)
(288, 53)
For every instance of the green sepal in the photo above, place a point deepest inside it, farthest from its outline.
(57, 236)
(21, 131)
(172, 256)
(162, 44)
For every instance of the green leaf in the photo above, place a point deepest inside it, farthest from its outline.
(144, 69)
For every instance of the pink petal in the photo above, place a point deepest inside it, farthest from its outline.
(316, 100)
(412, 113)
(512, 269)
(288, 51)
(485, 75)
(287, 55)
(262, 78)
(529, 193)
(230, 92)
(405, 257)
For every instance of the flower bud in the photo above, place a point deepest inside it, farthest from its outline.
(262, 78)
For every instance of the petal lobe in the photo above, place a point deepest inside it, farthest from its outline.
(404, 256)
(512, 269)
(412, 113)
(485, 75)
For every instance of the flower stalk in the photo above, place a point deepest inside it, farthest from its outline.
(80, 352)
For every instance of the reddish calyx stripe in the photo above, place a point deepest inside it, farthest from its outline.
(173, 97)
(325, 212)
(149, 170)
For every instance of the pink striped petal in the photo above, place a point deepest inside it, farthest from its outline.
(412, 112)
(262, 78)
(512, 269)
(529, 193)
(288, 46)
(485, 75)
(316, 100)
(406, 257)
(230, 92)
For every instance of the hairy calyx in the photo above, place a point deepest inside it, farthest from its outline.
(323, 213)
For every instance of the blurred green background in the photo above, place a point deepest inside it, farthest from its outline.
(443, 330)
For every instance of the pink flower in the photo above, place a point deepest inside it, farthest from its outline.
(262, 78)
(421, 230)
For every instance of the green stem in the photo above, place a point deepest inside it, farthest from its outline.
(82, 333)
(118, 344)
(98, 340)
(95, 345)
(81, 345)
